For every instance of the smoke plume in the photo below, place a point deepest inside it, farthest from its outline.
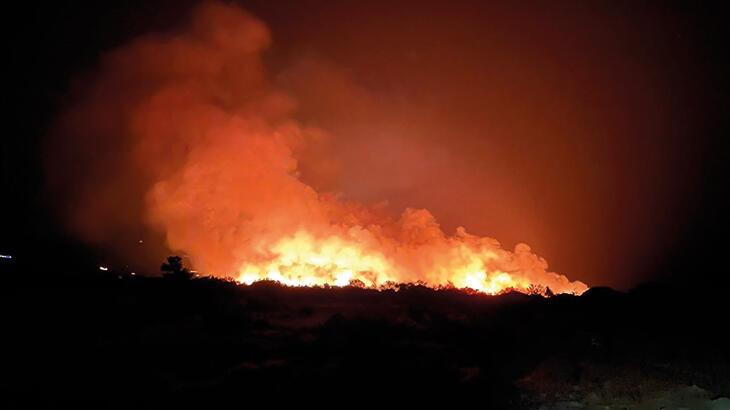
(184, 135)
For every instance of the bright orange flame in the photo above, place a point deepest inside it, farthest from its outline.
(303, 260)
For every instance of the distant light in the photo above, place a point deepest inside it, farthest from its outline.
(6, 256)
(133, 274)
(141, 241)
(104, 268)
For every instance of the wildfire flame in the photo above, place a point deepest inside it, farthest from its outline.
(303, 260)
(190, 123)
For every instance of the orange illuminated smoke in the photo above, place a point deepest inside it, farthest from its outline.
(191, 139)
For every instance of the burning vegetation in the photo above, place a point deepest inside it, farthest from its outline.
(194, 142)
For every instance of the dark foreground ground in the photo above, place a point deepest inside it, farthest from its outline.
(131, 342)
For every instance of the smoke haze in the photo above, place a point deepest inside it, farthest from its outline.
(210, 141)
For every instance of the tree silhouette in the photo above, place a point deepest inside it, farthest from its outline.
(174, 269)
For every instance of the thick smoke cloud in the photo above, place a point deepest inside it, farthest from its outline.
(184, 134)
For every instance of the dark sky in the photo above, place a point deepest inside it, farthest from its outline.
(593, 131)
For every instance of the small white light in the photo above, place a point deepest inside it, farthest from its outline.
(141, 241)
(6, 256)
(104, 268)
(133, 274)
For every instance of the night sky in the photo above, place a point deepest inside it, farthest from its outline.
(593, 131)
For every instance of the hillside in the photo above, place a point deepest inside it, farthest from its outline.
(109, 341)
